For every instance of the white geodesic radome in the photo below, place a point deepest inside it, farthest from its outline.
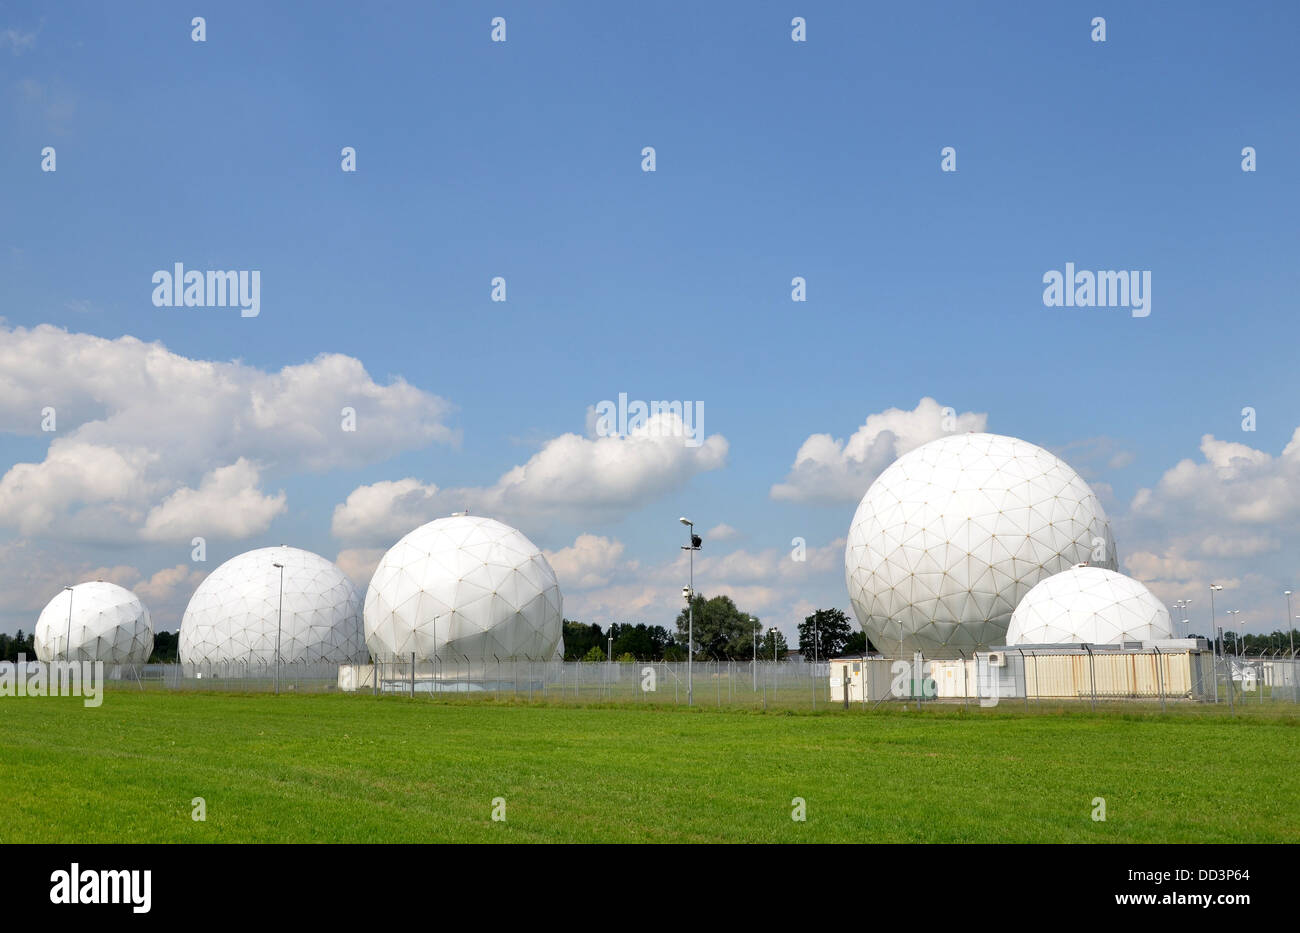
(464, 587)
(108, 623)
(953, 534)
(233, 616)
(1088, 605)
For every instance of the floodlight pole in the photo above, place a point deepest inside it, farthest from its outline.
(1290, 628)
(1214, 643)
(67, 641)
(279, 624)
(690, 611)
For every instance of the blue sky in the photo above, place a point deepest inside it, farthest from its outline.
(775, 159)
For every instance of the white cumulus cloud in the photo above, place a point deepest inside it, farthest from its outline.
(227, 504)
(571, 476)
(828, 470)
(141, 433)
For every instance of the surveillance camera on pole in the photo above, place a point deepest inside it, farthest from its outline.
(689, 592)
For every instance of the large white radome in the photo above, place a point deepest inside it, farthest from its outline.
(951, 537)
(109, 624)
(233, 615)
(464, 587)
(1088, 605)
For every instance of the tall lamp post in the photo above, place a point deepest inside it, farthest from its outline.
(1236, 640)
(67, 641)
(1291, 627)
(279, 624)
(754, 669)
(1214, 642)
(693, 546)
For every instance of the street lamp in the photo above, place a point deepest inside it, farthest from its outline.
(1182, 605)
(279, 624)
(693, 546)
(1214, 642)
(774, 634)
(1236, 642)
(1288, 615)
(754, 669)
(67, 642)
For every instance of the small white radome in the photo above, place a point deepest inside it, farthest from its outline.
(1089, 605)
(107, 623)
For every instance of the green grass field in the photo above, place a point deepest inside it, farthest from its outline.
(335, 768)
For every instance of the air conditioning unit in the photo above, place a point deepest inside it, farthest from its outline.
(997, 659)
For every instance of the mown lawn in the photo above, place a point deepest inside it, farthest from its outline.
(376, 769)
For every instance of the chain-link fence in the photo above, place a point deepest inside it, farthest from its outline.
(992, 678)
(751, 684)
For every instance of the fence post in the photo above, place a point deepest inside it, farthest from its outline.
(1160, 676)
(812, 677)
(1232, 708)
(1092, 676)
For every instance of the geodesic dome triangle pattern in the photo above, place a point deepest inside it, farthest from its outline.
(233, 616)
(464, 587)
(108, 623)
(1088, 605)
(953, 534)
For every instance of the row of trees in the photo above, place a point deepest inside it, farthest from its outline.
(1275, 643)
(641, 642)
(13, 645)
(723, 632)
